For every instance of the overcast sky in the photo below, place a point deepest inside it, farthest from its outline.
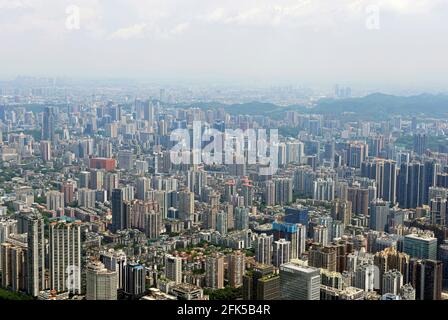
(298, 41)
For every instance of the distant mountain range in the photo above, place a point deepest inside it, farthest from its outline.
(373, 106)
(382, 104)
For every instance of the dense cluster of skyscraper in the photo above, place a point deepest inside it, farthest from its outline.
(94, 207)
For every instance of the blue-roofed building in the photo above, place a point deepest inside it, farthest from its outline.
(296, 215)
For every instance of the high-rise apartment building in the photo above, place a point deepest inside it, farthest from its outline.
(101, 283)
(263, 248)
(65, 256)
(214, 271)
(35, 261)
(173, 268)
(281, 252)
(236, 268)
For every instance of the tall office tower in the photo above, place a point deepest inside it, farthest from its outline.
(68, 189)
(236, 268)
(392, 282)
(96, 179)
(173, 268)
(430, 170)
(55, 200)
(379, 213)
(261, 283)
(442, 180)
(391, 259)
(110, 182)
(420, 143)
(320, 235)
(142, 188)
(196, 181)
(101, 283)
(84, 179)
(45, 150)
(115, 261)
(221, 222)
(330, 152)
(364, 277)
(214, 271)
(35, 261)
(269, 193)
(86, 198)
(152, 224)
(439, 211)
(426, 278)
(410, 185)
(359, 197)
(120, 218)
(283, 190)
(281, 252)
(342, 211)
(65, 256)
(241, 218)
(162, 128)
(407, 292)
(299, 282)
(148, 112)
(420, 246)
(134, 279)
(384, 172)
(357, 153)
(324, 257)
(186, 205)
(263, 248)
(48, 124)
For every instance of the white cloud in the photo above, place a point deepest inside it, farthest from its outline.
(276, 38)
(180, 28)
(131, 32)
(15, 4)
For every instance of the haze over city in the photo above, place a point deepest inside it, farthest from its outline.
(247, 155)
(376, 45)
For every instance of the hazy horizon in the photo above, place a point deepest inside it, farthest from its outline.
(382, 43)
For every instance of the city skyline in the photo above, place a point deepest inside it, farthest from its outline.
(240, 154)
